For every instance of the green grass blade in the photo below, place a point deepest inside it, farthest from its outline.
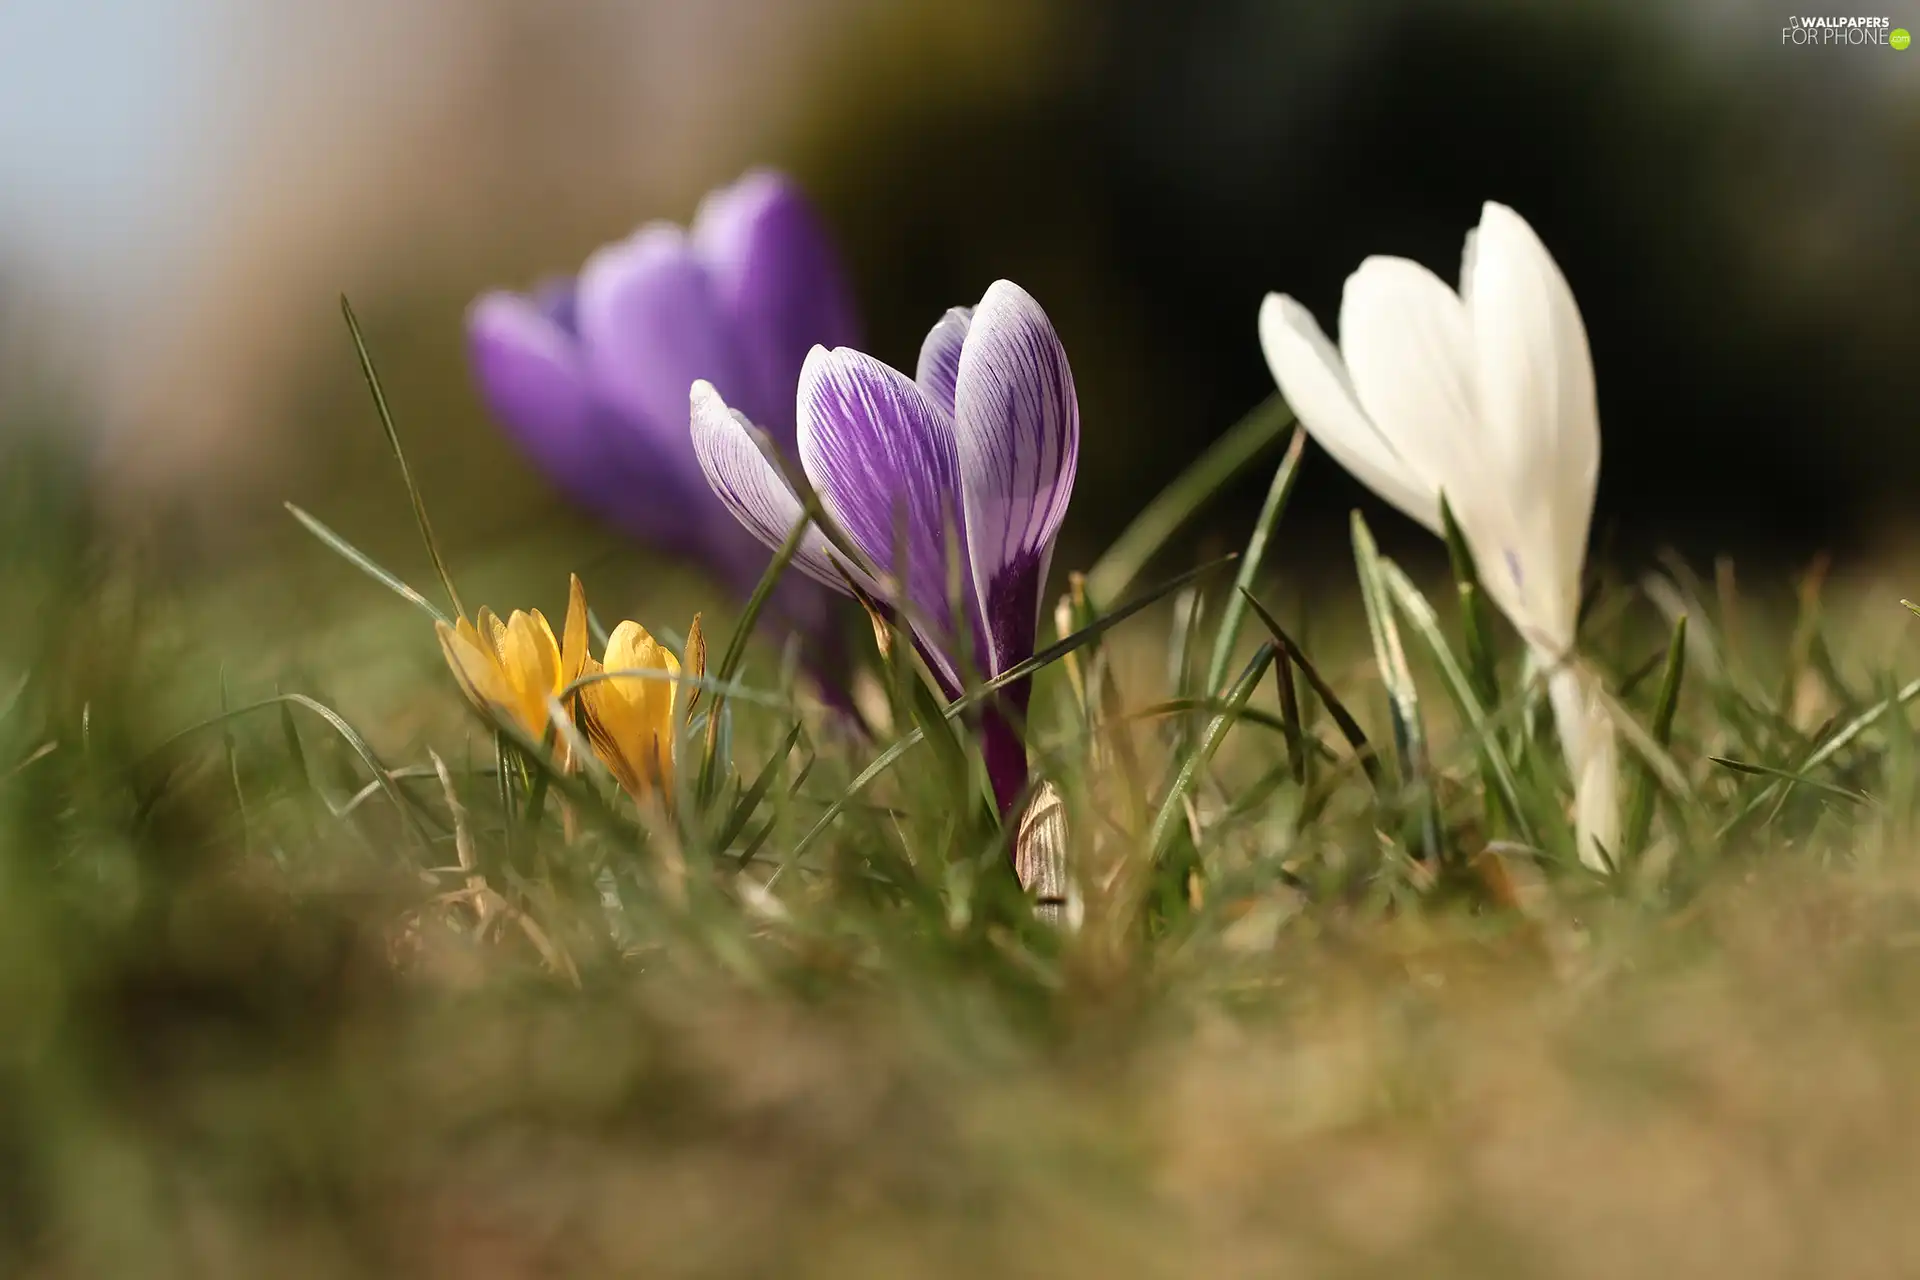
(1476, 624)
(1060, 649)
(361, 561)
(1841, 739)
(1476, 621)
(1655, 757)
(1349, 727)
(1166, 821)
(1798, 779)
(1403, 697)
(1208, 706)
(231, 747)
(913, 696)
(1020, 671)
(751, 799)
(1292, 724)
(1234, 618)
(1420, 615)
(296, 753)
(1639, 820)
(399, 455)
(530, 756)
(11, 698)
(1176, 504)
(763, 591)
(350, 735)
(737, 643)
(1187, 612)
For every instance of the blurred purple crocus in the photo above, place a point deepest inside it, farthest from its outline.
(983, 441)
(590, 375)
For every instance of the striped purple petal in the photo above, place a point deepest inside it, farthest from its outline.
(1017, 433)
(750, 486)
(881, 455)
(939, 368)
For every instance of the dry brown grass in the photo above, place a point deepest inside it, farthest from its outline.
(1725, 1094)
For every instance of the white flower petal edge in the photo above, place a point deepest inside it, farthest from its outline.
(1540, 421)
(1314, 381)
(750, 486)
(1409, 358)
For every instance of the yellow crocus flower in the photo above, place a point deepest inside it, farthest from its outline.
(630, 721)
(511, 668)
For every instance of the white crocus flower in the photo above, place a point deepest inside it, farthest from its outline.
(1486, 396)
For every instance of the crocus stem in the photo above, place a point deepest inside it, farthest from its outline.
(1006, 756)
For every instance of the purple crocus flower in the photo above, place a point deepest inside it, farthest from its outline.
(590, 375)
(983, 441)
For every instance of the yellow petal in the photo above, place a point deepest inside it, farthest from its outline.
(607, 742)
(493, 631)
(530, 660)
(473, 666)
(634, 714)
(573, 639)
(631, 647)
(470, 633)
(550, 660)
(696, 661)
(663, 722)
(608, 720)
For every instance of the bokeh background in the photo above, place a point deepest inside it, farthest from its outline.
(210, 1062)
(187, 185)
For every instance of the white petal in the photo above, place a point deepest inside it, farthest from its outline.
(1536, 386)
(752, 488)
(1314, 381)
(1410, 356)
(1591, 744)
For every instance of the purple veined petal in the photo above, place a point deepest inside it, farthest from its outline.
(780, 281)
(531, 375)
(1017, 437)
(749, 486)
(939, 369)
(650, 326)
(881, 455)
